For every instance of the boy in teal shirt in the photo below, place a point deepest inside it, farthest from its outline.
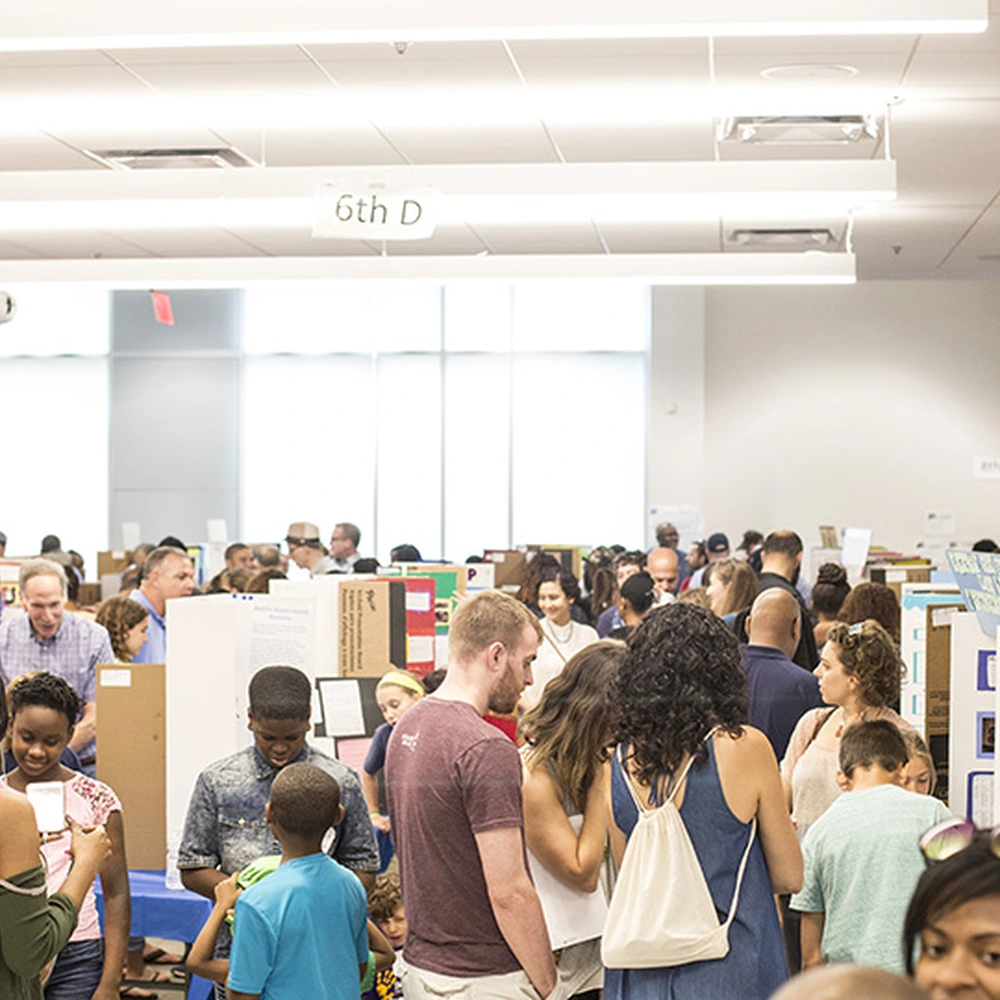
(862, 856)
(301, 932)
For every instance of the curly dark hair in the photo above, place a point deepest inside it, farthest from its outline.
(869, 653)
(872, 600)
(48, 691)
(681, 677)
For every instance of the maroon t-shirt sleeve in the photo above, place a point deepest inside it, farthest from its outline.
(489, 774)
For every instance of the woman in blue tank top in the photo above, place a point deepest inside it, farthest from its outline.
(681, 679)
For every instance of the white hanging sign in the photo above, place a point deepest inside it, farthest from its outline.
(986, 468)
(374, 211)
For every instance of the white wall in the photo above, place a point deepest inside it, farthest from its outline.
(861, 405)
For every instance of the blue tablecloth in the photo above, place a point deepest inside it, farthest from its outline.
(174, 914)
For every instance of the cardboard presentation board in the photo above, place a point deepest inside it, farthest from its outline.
(568, 556)
(421, 592)
(937, 701)
(449, 581)
(480, 576)
(972, 720)
(914, 600)
(113, 562)
(131, 704)
(371, 634)
(895, 576)
(508, 568)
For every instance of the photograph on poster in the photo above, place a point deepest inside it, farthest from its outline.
(985, 735)
(986, 672)
(980, 798)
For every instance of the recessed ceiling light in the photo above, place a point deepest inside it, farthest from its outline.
(797, 130)
(809, 73)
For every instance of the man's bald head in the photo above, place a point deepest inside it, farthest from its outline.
(664, 567)
(849, 982)
(775, 621)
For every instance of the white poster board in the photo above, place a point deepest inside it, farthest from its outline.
(914, 600)
(686, 518)
(214, 645)
(971, 735)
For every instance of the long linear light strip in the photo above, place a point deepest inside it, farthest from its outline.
(658, 269)
(27, 27)
(850, 181)
(615, 104)
(300, 213)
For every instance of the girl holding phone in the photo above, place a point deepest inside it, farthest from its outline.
(44, 710)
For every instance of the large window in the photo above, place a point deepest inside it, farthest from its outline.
(455, 418)
(54, 388)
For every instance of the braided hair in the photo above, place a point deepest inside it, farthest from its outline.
(46, 690)
(119, 615)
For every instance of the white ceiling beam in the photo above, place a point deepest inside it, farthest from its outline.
(657, 269)
(119, 24)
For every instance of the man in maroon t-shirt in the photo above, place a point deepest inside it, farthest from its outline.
(454, 790)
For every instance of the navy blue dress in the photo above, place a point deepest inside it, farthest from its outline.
(755, 966)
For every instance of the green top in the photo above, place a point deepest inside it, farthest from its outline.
(33, 930)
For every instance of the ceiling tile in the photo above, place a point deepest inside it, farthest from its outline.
(311, 147)
(240, 78)
(446, 240)
(974, 70)
(76, 244)
(12, 250)
(608, 48)
(68, 81)
(633, 143)
(37, 151)
(924, 234)
(686, 237)
(299, 243)
(829, 47)
(81, 57)
(988, 41)
(192, 243)
(875, 70)
(687, 70)
(209, 54)
(579, 238)
(525, 144)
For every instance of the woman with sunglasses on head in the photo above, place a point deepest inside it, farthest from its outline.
(859, 678)
(952, 931)
(34, 927)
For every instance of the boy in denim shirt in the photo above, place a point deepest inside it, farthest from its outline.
(226, 827)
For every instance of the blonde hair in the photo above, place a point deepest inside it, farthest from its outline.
(488, 617)
(917, 749)
(742, 583)
(402, 679)
(119, 615)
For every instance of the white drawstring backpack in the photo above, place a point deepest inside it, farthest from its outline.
(661, 911)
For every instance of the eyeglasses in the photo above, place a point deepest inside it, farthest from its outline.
(953, 835)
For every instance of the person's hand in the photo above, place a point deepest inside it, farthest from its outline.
(105, 992)
(90, 845)
(227, 891)
(382, 823)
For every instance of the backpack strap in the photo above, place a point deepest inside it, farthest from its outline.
(677, 784)
(739, 873)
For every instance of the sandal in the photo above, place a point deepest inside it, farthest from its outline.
(137, 993)
(157, 956)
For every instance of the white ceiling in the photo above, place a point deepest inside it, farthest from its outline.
(436, 104)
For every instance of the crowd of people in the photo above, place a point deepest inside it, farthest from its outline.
(682, 775)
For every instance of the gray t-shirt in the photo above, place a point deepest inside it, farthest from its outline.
(449, 776)
(862, 863)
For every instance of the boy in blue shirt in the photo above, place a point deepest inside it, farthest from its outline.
(301, 932)
(862, 856)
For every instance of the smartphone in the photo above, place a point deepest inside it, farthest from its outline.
(49, 800)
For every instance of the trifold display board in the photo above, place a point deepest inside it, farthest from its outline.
(914, 600)
(216, 643)
(937, 703)
(971, 742)
(131, 704)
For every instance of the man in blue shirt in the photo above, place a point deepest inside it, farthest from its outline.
(166, 574)
(49, 638)
(779, 691)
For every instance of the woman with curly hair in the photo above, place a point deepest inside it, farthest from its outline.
(682, 699)
(566, 776)
(127, 622)
(859, 677)
(875, 601)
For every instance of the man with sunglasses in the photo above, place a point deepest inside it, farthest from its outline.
(307, 551)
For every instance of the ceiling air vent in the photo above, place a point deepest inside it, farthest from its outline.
(209, 158)
(780, 239)
(798, 130)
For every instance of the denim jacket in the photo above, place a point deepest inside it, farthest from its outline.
(225, 826)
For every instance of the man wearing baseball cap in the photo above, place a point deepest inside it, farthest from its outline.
(306, 550)
(717, 549)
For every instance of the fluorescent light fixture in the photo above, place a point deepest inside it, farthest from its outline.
(440, 107)
(540, 194)
(111, 24)
(812, 268)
